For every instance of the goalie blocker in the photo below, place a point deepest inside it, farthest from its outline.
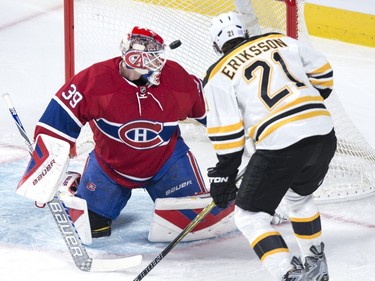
(46, 169)
(46, 176)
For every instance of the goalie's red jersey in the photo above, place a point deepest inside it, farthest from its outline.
(135, 127)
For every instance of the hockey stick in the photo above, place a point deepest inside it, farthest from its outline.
(66, 226)
(178, 239)
(17, 120)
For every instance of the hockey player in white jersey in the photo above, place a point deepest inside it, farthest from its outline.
(271, 88)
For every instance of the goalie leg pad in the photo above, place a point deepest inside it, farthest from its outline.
(172, 215)
(79, 215)
(46, 169)
(77, 207)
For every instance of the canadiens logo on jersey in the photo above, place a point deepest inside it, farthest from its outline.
(139, 134)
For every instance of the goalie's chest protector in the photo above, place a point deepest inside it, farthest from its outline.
(144, 117)
(142, 122)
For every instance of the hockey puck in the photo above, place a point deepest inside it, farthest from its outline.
(175, 44)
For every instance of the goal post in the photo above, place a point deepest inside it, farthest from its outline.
(94, 29)
(69, 38)
(187, 21)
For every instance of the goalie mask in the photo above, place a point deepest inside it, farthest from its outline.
(224, 28)
(143, 50)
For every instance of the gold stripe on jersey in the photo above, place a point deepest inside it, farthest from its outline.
(300, 109)
(228, 129)
(322, 78)
(271, 129)
(320, 83)
(227, 139)
(234, 145)
(324, 69)
(285, 107)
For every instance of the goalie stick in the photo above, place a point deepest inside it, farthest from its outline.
(178, 239)
(66, 226)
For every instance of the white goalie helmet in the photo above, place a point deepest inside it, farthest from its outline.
(225, 27)
(143, 50)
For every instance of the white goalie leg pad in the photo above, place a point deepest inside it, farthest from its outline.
(46, 169)
(78, 211)
(80, 216)
(172, 215)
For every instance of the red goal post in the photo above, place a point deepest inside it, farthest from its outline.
(69, 38)
(94, 29)
(280, 15)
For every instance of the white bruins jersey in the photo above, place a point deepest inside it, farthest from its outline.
(270, 88)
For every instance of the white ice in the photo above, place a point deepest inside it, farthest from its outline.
(31, 70)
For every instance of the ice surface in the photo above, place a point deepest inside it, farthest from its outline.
(31, 70)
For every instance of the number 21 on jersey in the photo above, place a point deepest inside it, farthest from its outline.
(266, 71)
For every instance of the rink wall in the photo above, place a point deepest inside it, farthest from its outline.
(329, 22)
(343, 25)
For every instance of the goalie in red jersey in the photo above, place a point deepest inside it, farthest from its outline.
(133, 104)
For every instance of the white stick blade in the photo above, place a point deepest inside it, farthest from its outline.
(7, 100)
(108, 265)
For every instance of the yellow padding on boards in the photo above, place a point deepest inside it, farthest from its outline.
(207, 7)
(321, 21)
(343, 25)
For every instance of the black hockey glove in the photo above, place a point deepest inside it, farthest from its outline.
(223, 187)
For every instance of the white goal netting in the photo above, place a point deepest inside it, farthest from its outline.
(99, 26)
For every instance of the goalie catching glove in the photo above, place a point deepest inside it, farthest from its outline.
(223, 188)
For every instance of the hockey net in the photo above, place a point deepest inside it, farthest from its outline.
(99, 26)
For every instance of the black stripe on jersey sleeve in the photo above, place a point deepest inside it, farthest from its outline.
(227, 137)
(322, 76)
